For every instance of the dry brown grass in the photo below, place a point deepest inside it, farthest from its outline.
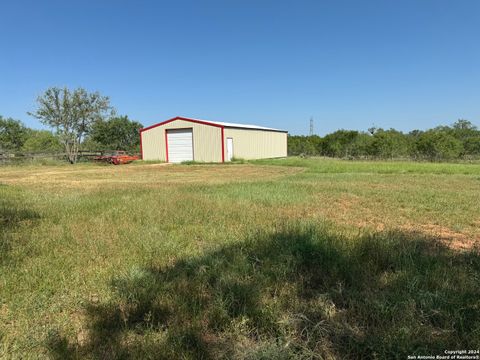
(153, 175)
(332, 200)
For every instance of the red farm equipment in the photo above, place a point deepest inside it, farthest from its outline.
(116, 158)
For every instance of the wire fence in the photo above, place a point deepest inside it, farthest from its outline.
(11, 158)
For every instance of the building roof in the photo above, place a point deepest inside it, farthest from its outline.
(217, 123)
(243, 126)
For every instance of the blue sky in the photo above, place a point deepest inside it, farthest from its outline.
(350, 64)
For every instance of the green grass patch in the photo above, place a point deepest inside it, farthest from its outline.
(297, 292)
(337, 259)
(336, 166)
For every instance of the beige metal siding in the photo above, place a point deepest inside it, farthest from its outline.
(207, 141)
(256, 144)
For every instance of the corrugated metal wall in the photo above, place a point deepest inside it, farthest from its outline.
(207, 141)
(256, 144)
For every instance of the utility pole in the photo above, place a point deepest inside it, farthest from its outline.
(311, 126)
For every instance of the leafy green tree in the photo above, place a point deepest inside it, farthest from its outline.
(316, 143)
(293, 144)
(89, 145)
(463, 129)
(13, 134)
(468, 134)
(413, 139)
(389, 144)
(71, 114)
(472, 146)
(42, 140)
(439, 145)
(303, 145)
(118, 133)
(339, 143)
(362, 145)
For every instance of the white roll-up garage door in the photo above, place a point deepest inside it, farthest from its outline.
(180, 145)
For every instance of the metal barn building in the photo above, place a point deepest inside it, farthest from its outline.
(183, 139)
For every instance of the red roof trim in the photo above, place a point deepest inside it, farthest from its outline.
(181, 118)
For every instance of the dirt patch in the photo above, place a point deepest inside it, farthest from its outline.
(346, 203)
(343, 209)
(452, 239)
(349, 211)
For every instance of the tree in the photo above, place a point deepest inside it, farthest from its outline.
(362, 145)
(468, 134)
(413, 138)
(438, 144)
(293, 144)
(339, 143)
(13, 134)
(389, 144)
(42, 140)
(464, 127)
(441, 143)
(472, 145)
(118, 133)
(304, 145)
(71, 114)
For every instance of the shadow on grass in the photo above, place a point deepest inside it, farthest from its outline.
(301, 292)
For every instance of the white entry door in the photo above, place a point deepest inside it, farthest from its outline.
(229, 149)
(179, 145)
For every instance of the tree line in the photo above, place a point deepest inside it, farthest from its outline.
(460, 140)
(80, 121)
(86, 121)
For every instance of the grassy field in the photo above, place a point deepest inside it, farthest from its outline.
(293, 258)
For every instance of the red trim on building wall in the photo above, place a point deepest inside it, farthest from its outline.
(185, 119)
(141, 147)
(166, 146)
(223, 144)
(222, 127)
